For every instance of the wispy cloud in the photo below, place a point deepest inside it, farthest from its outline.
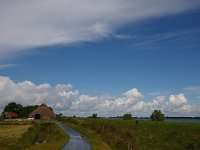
(122, 36)
(166, 39)
(192, 89)
(34, 23)
(160, 93)
(7, 66)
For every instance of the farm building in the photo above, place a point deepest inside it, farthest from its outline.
(10, 115)
(42, 112)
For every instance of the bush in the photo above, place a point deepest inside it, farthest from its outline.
(157, 115)
(127, 116)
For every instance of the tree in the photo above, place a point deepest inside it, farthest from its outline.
(59, 116)
(94, 115)
(157, 115)
(13, 107)
(26, 110)
(127, 116)
(22, 111)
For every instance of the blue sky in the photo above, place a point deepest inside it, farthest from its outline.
(156, 54)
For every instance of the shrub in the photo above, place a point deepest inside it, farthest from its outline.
(127, 116)
(157, 115)
(94, 116)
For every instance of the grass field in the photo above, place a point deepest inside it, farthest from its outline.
(55, 138)
(121, 135)
(25, 135)
(10, 134)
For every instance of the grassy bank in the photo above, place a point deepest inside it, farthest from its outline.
(52, 136)
(10, 134)
(31, 135)
(93, 138)
(121, 135)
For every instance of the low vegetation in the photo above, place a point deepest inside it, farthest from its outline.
(10, 134)
(31, 135)
(131, 134)
(157, 115)
(50, 137)
(127, 116)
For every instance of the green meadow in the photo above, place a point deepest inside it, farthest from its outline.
(103, 134)
(31, 136)
(137, 135)
(10, 134)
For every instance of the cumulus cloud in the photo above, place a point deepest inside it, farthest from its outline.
(84, 102)
(28, 93)
(176, 102)
(34, 23)
(178, 105)
(64, 99)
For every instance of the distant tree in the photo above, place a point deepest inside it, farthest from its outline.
(59, 116)
(157, 115)
(94, 115)
(22, 111)
(127, 116)
(13, 107)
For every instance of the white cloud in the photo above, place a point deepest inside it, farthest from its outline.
(143, 108)
(176, 101)
(64, 87)
(28, 93)
(34, 23)
(63, 98)
(178, 105)
(84, 103)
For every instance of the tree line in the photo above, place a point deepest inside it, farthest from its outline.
(156, 115)
(22, 111)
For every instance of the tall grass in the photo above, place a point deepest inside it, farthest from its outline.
(10, 134)
(27, 136)
(55, 138)
(122, 135)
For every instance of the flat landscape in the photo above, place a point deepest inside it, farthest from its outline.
(100, 75)
(142, 135)
(104, 134)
